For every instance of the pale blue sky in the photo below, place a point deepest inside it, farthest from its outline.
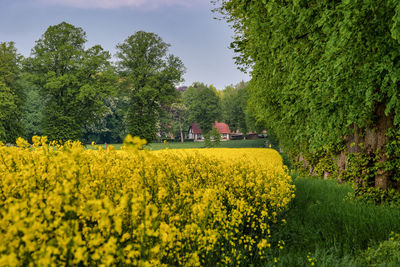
(188, 25)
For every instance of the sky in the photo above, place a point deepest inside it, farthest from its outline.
(200, 41)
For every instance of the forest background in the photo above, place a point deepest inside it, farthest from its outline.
(65, 91)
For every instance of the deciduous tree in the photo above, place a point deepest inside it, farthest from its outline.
(109, 124)
(73, 80)
(11, 93)
(234, 106)
(149, 76)
(203, 105)
(32, 110)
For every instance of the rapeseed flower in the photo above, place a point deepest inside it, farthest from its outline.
(65, 205)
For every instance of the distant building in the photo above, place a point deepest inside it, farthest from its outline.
(195, 131)
(224, 130)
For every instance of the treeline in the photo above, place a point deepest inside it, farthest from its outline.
(326, 80)
(204, 104)
(68, 92)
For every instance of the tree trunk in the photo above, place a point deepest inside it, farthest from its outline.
(371, 141)
(375, 142)
(180, 128)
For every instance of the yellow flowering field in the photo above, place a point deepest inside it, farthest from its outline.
(65, 205)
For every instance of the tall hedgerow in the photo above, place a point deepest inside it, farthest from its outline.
(325, 78)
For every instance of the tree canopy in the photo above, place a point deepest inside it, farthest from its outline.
(109, 124)
(73, 81)
(203, 105)
(324, 73)
(234, 107)
(11, 93)
(149, 76)
(32, 110)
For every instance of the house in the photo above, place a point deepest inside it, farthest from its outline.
(224, 130)
(195, 131)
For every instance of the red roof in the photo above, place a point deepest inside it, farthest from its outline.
(196, 128)
(223, 128)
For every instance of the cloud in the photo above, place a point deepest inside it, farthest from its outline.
(114, 4)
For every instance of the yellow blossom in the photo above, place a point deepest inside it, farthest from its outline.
(63, 203)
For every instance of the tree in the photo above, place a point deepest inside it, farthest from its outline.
(234, 105)
(11, 93)
(109, 124)
(149, 76)
(177, 113)
(173, 122)
(32, 109)
(73, 81)
(325, 77)
(212, 138)
(203, 106)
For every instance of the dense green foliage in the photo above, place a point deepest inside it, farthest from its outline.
(149, 76)
(324, 73)
(32, 110)
(109, 124)
(212, 138)
(386, 253)
(233, 105)
(11, 93)
(318, 66)
(73, 81)
(173, 123)
(203, 105)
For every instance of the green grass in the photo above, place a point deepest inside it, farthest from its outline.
(186, 145)
(323, 224)
(224, 144)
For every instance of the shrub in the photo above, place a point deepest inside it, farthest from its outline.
(386, 253)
